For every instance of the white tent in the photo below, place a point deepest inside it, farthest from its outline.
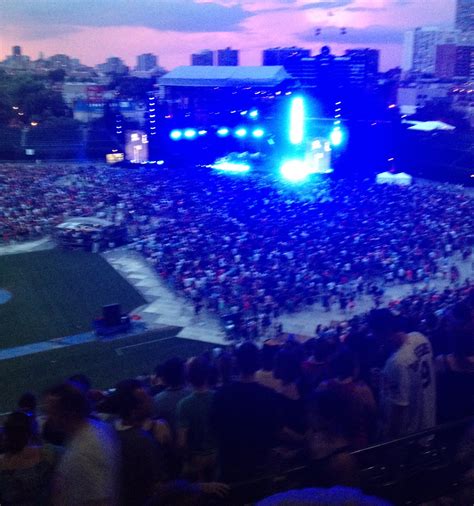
(402, 178)
(431, 126)
(85, 221)
(384, 178)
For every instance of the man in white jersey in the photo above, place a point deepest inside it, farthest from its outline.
(408, 390)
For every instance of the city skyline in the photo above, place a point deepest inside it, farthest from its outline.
(92, 30)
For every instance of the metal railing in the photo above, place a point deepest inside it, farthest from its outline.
(409, 470)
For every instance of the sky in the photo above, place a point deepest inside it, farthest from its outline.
(92, 30)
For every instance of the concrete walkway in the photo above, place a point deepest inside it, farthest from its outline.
(305, 322)
(165, 307)
(27, 247)
(168, 308)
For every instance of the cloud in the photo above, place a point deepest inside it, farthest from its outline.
(370, 35)
(326, 4)
(172, 15)
(366, 9)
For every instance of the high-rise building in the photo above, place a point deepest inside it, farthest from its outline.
(279, 55)
(227, 57)
(113, 65)
(446, 61)
(420, 48)
(465, 15)
(146, 61)
(357, 67)
(465, 62)
(454, 61)
(16, 51)
(363, 66)
(204, 58)
(303, 68)
(408, 47)
(424, 49)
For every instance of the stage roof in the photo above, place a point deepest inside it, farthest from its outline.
(232, 77)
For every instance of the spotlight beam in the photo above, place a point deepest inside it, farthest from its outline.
(297, 115)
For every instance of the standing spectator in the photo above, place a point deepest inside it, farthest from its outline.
(456, 370)
(88, 470)
(140, 470)
(166, 402)
(328, 441)
(25, 469)
(408, 396)
(265, 376)
(356, 397)
(27, 404)
(288, 372)
(195, 437)
(245, 419)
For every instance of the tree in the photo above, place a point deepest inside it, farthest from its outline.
(23, 98)
(57, 75)
(44, 104)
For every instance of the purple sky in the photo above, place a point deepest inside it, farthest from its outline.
(94, 29)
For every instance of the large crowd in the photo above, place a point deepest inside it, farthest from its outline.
(248, 246)
(253, 248)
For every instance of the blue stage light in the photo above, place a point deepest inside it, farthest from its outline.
(176, 135)
(253, 114)
(336, 136)
(258, 133)
(190, 133)
(241, 132)
(294, 171)
(297, 121)
(223, 132)
(202, 132)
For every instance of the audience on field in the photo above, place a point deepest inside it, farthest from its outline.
(252, 248)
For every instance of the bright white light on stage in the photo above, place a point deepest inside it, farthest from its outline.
(258, 133)
(231, 167)
(336, 137)
(202, 132)
(241, 132)
(176, 135)
(297, 121)
(223, 132)
(253, 114)
(294, 171)
(190, 133)
(160, 162)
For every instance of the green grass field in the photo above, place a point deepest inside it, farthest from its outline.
(57, 294)
(104, 362)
